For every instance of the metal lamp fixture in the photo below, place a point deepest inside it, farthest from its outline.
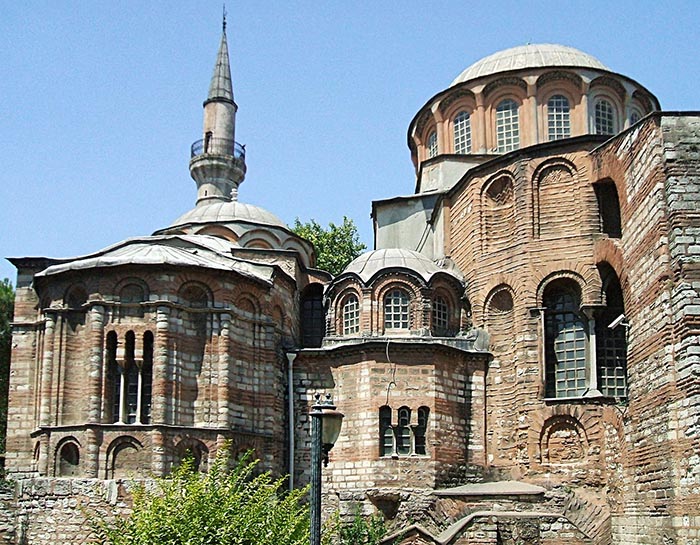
(326, 422)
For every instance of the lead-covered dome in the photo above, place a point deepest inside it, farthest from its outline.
(218, 211)
(370, 263)
(529, 56)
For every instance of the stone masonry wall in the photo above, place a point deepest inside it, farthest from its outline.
(655, 167)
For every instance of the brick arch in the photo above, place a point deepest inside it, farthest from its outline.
(129, 280)
(126, 458)
(218, 231)
(587, 422)
(199, 450)
(409, 284)
(498, 316)
(606, 251)
(497, 206)
(75, 295)
(259, 238)
(67, 457)
(585, 276)
(517, 283)
(247, 302)
(338, 304)
(551, 180)
(195, 293)
(555, 77)
(278, 317)
(446, 290)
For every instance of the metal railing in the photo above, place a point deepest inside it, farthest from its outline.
(218, 146)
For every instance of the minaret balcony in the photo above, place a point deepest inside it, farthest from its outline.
(219, 146)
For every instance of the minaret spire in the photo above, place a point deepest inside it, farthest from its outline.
(218, 162)
(221, 86)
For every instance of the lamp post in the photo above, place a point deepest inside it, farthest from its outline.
(325, 428)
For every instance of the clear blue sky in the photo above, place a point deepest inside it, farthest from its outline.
(100, 101)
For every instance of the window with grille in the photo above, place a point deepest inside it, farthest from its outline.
(558, 121)
(386, 432)
(565, 342)
(440, 316)
(611, 349)
(351, 315)
(420, 429)
(396, 305)
(462, 133)
(507, 126)
(635, 116)
(432, 145)
(403, 438)
(604, 117)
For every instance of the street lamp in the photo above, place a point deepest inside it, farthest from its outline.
(325, 428)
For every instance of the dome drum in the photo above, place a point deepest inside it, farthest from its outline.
(526, 96)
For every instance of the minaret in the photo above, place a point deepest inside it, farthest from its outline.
(217, 161)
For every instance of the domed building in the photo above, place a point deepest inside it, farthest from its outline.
(516, 358)
(126, 359)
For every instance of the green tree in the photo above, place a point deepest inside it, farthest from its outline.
(222, 507)
(335, 247)
(7, 304)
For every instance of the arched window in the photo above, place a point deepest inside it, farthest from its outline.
(558, 122)
(313, 321)
(440, 316)
(396, 305)
(130, 297)
(604, 117)
(146, 384)
(635, 116)
(565, 340)
(507, 126)
(611, 349)
(462, 133)
(68, 463)
(386, 432)
(351, 315)
(419, 430)
(131, 378)
(432, 145)
(608, 208)
(403, 431)
(404, 438)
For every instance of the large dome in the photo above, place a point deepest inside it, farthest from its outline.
(529, 56)
(228, 211)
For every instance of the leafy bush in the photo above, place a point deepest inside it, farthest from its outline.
(362, 530)
(222, 507)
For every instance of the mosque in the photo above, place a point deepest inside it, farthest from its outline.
(517, 359)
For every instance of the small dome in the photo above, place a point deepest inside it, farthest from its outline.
(217, 211)
(529, 56)
(370, 263)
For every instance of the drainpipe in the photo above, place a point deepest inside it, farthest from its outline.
(290, 400)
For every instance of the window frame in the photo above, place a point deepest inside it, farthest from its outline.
(462, 132)
(431, 144)
(613, 115)
(402, 309)
(507, 128)
(405, 437)
(440, 311)
(350, 323)
(589, 376)
(558, 115)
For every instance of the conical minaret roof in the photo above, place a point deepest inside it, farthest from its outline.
(221, 86)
